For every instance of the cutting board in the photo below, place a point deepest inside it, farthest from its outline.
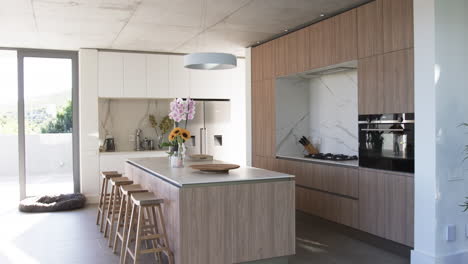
(215, 167)
(200, 157)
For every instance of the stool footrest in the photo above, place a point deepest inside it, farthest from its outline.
(151, 237)
(152, 250)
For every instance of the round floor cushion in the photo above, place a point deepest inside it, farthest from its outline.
(53, 203)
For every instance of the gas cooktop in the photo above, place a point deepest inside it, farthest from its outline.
(330, 156)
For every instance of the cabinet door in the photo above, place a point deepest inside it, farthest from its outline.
(316, 47)
(268, 60)
(303, 48)
(280, 57)
(134, 69)
(110, 74)
(372, 202)
(398, 88)
(396, 203)
(370, 85)
(322, 41)
(346, 36)
(397, 24)
(329, 42)
(291, 53)
(386, 204)
(179, 78)
(257, 63)
(370, 29)
(157, 75)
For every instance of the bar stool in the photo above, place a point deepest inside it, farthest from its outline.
(113, 206)
(124, 214)
(149, 228)
(104, 196)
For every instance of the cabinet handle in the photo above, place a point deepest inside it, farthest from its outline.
(384, 129)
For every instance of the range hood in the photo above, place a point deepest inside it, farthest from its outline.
(342, 67)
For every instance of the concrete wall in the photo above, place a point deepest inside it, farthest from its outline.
(441, 92)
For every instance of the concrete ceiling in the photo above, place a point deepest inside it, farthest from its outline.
(155, 25)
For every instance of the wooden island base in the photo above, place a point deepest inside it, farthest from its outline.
(230, 222)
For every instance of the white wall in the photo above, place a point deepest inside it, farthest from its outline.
(441, 90)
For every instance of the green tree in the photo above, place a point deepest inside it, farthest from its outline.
(63, 122)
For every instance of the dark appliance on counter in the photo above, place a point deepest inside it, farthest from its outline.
(109, 144)
(330, 156)
(386, 142)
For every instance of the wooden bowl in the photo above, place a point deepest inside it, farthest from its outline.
(215, 167)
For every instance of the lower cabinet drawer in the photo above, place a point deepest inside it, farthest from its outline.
(332, 207)
(386, 204)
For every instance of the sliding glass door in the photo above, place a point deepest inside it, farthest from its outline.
(38, 118)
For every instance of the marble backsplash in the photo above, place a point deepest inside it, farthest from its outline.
(324, 109)
(121, 117)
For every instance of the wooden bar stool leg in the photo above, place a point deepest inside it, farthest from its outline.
(126, 227)
(117, 196)
(120, 221)
(138, 235)
(170, 256)
(109, 209)
(104, 204)
(128, 238)
(156, 241)
(100, 202)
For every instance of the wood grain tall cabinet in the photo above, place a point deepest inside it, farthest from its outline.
(386, 57)
(379, 35)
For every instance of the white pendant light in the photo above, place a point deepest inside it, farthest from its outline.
(210, 61)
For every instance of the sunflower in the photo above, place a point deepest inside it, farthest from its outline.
(171, 137)
(185, 134)
(176, 131)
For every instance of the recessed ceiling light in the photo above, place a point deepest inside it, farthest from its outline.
(285, 30)
(322, 15)
(258, 42)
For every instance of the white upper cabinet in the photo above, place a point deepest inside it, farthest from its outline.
(214, 84)
(134, 72)
(157, 76)
(179, 77)
(110, 74)
(139, 75)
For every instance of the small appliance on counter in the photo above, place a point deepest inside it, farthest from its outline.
(386, 142)
(138, 139)
(109, 144)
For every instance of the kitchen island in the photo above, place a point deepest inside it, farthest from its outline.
(245, 215)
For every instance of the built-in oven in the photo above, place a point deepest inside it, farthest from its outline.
(386, 142)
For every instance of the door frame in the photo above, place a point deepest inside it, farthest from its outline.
(58, 54)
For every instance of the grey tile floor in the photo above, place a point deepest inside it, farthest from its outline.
(72, 237)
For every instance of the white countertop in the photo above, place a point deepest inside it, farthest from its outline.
(344, 163)
(182, 177)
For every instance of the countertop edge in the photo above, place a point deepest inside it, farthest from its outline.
(285, 177)
(323, 162)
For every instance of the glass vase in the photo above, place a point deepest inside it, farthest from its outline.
(178, 157)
